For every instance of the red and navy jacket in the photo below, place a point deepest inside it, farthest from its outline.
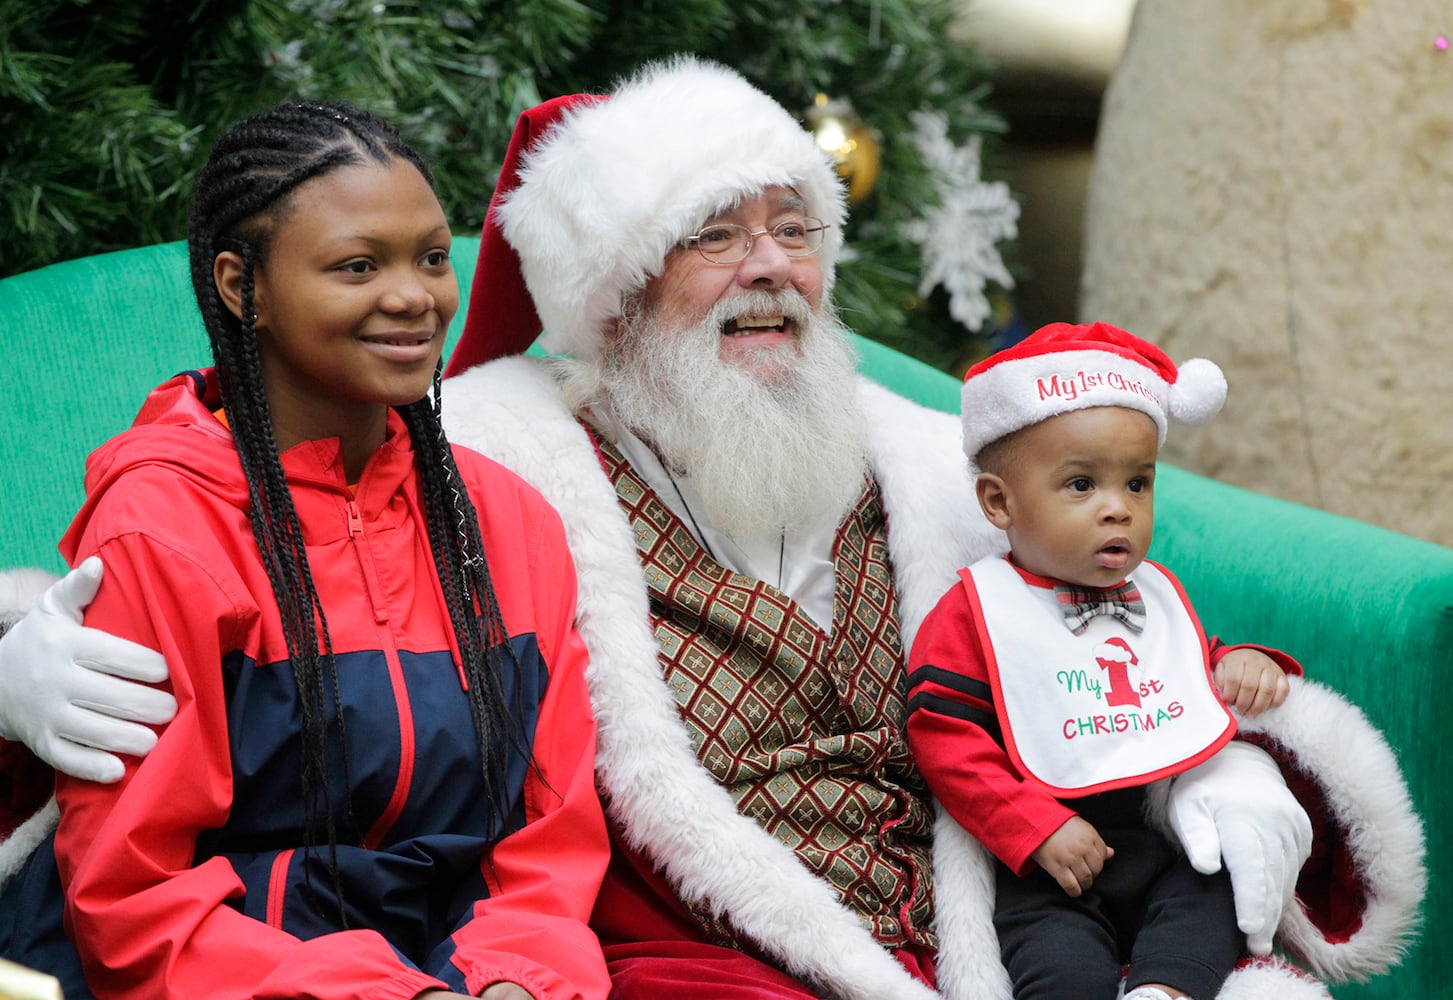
(188, 878)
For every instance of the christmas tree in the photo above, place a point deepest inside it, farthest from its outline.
(107, 109)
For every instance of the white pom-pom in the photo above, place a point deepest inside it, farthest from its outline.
(1198, 392)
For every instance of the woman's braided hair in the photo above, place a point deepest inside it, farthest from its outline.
(242, 196)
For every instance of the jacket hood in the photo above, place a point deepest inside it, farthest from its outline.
(177, 428)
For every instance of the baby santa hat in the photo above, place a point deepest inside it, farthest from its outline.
(1064, 367)
(595, 191)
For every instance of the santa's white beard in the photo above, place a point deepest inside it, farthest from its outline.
(771, 441)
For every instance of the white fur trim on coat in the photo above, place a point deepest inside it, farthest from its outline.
(1271, 979)
(672, 811)
(667, 805)
(1332, 742)
(21, 844)
(19, 590)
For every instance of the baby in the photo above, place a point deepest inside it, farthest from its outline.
(1050, 687)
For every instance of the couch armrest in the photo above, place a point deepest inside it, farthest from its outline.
(1368, 612)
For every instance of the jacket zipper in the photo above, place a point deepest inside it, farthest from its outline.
(359, 540)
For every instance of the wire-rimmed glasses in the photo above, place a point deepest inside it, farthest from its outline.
(728, 243)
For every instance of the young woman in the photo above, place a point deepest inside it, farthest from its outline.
(379, 781)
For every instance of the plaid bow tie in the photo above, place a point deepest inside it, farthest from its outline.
(1080, 604)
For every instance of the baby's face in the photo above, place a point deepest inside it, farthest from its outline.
(1079, 494)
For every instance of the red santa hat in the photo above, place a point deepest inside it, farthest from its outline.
(595, 191)
(1064, 367)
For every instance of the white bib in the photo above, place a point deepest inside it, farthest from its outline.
(1104, 709)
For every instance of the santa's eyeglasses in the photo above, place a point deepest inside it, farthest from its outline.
(728, 243)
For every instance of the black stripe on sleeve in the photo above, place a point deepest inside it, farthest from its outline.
(978, 708)
(983, 718)
(967, 686)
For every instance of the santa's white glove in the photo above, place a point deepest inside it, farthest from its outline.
(1237, 807)
(70, 692)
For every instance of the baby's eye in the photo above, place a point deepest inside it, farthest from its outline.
(1138, 485)
(1081, 484)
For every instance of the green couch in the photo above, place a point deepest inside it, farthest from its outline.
(1369, 612)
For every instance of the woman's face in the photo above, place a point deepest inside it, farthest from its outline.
(353, 300)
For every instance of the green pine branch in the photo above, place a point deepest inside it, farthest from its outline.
(106, 108)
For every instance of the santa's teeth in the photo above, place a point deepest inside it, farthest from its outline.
(758, 322)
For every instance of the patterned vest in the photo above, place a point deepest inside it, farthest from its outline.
(805, 730)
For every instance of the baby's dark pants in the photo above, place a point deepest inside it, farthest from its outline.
(1148, 909)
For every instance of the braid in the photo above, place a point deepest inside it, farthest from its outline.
(279, 537)
(242, 194)
(484, 647)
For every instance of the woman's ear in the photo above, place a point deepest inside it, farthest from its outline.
(227, 271)
(994, 499)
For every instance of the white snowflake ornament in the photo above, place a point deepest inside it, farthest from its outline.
(959, 235)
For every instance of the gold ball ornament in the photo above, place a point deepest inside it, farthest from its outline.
(852, 145)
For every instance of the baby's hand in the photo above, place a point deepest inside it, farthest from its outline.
(1250, 681)
(1073, 855)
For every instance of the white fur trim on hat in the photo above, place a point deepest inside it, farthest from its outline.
(1061, 368)
(612, 187)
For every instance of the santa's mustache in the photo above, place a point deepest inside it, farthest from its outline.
(788, 303)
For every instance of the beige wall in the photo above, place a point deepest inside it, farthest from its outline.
(1273, 188)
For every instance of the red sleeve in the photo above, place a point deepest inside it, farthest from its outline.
(951, 730)
(533, 928)
(1289, 665)
(146, 922)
